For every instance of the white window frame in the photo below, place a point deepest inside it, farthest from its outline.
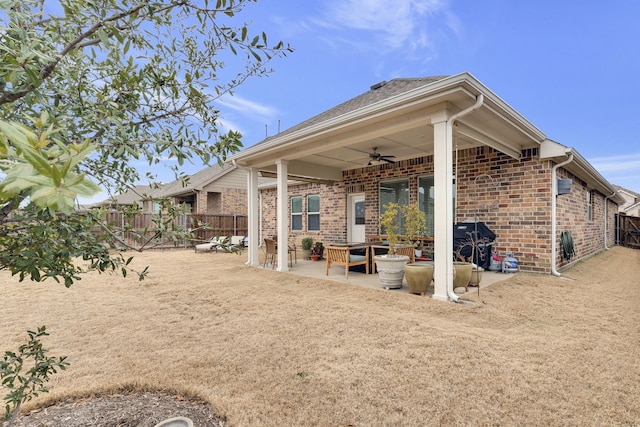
(297, 214)
(313, 213)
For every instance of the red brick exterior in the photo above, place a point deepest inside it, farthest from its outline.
(516, 205)
(230, 201)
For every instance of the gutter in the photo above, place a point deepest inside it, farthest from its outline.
(554, 191)
(449, 263)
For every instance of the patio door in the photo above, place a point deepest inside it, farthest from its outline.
(356, 218)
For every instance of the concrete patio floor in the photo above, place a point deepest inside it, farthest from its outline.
(316, 269)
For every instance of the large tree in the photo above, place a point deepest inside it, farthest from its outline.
(87, 86)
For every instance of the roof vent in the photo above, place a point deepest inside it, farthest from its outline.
(378, 85)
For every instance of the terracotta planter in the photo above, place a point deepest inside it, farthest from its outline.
(315, 257)
(462, 274)
(391, 270)
(419, 276)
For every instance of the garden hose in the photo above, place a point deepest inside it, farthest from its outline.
(567, 245)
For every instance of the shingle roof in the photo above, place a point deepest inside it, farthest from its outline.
(378, 92)
(136, 194)
(196, 181)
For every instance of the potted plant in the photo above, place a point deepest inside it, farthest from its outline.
(415, 226)
(472, 245)
(419, 275)
(461, 274)
(307, 244)
(391, 266)
(316, 251)
(476, 275)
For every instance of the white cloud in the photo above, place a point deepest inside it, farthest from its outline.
(621, 164)
(247, 107)
(623, 170)
(394, 25)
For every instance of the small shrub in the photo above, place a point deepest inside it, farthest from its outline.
(307, 243)
(24, 387)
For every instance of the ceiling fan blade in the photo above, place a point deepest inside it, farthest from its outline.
(384, 159)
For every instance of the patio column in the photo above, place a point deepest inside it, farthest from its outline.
(282, 215)
(253, 206)
(443, 210)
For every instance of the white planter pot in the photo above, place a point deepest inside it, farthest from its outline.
(175, 422)
(391, 270)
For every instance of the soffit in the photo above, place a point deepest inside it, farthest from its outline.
(402, 127)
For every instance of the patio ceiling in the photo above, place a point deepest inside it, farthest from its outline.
(401, 126)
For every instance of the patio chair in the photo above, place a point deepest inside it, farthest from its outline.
(213, 243)
(407, 250)
(342, 255)
(271, 253)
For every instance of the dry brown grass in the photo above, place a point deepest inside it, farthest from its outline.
(267, 348)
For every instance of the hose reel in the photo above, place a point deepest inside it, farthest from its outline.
(566, 242)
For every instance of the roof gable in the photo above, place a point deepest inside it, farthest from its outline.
(378, 92)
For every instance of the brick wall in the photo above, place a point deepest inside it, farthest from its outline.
(515, 203)
(588, 235)
(333, 212)
(233, 202)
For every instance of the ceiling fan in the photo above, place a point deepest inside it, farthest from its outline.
(377, 157)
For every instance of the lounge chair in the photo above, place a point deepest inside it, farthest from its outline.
(213, 243)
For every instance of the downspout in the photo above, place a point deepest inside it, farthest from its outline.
(554, 195)
(479, 101)
(606, 205)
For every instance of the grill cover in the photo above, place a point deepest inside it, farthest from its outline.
(466, 235)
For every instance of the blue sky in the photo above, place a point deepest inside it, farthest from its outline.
(570, 67)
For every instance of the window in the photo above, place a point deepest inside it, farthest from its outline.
(296, 213)
(396, 192)
(360, 209)
(426, 190)
(589, 205)
(313, 213)
(425, 201)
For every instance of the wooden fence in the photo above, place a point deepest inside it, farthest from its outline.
(204, 227)
(628, 231)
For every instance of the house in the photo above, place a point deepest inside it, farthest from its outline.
(447, 143)
(631, 205)
(219, 190)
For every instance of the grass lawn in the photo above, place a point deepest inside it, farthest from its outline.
(269, 348)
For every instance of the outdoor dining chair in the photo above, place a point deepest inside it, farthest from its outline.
(342, 255)
(271, 253)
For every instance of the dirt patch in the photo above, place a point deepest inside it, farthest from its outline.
(132, 409)
(264, 348)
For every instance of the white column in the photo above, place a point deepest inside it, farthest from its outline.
(282, 215)
(253, 206)
(443, 211)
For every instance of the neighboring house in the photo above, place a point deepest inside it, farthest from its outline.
(138, 196)
(219, 190)
(457, 149)
(631, 205)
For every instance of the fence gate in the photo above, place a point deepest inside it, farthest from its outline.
(628, 231)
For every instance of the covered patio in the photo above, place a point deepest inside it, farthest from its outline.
(316, 270)
(408, 118)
